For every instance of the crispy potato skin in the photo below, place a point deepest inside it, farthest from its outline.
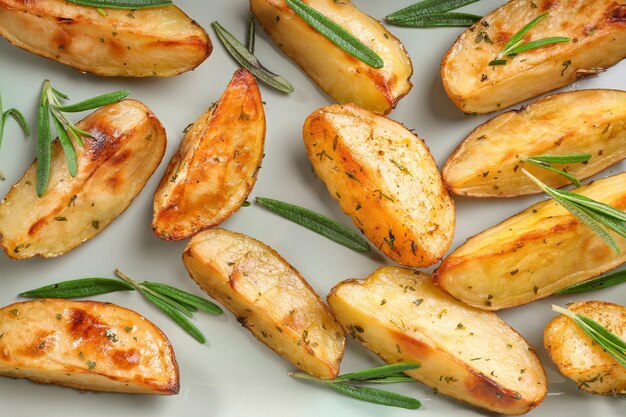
(597, 29)
(86, 345)
(533, 254)
(578, 358)
(159, 42)
(269, 297)
(215, 167)
(464, 352)
(595, 123)
(385, 178)
(126, 146)
(341, 76)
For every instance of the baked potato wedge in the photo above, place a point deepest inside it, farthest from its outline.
(216, 164)
(533, 254)
(464, 352)
(385, 178)
(86, 345)
(160, 41)
(578, 357)
(126, 146)
(488, 161)
(269, 297)
(597, 29)
(340, 75)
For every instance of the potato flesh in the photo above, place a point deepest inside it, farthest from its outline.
(533, 254)
(269, 297)
(594, 123)
(597, 29)
(578, 357)
(385, 178)
(127, 145)
(86, 345)
(147, 42)
(215, 167)
(343, 77)
(464, 352)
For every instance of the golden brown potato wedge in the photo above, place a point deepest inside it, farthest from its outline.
(126, 146)
(342, 76)
(161, 41)
(488, 161)
(269, 297)
(578, 357)
(464, 352)
(533, 254)
(215, 167)
(597, 29)
(86, 345)
(385, 178)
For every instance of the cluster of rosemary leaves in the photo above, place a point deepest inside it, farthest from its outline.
(433, 13)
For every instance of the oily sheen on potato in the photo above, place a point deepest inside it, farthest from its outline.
(578, 357)
(533, 254)
(488, 162)
(126, 145)
(215, 167)
(340, 75)
(385, 178)
(86, 345)
(160, 41)
(464, 352)
(269, 297)
(597, 29)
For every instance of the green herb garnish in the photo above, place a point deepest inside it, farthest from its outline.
(603, 281)
(598, 216)
(433, 13)
(251, 35)
(85, 287)
(516, 45)
(350, 384)
(611, 343)
(122, 4)
(336, 34)
(546, 161)
(316, 222)
(19, 118)
(250, 62)
(50, 106)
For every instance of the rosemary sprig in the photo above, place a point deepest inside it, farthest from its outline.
(179, 305)
(598, 216)
(433, 13)
(350, 384)
(516, 45)
(316, 222)
(50, 106)
(19, 118)
(546, 161)
(250, 62)
(336, 34)
(603, 281)
(611, 343)
(123, 4)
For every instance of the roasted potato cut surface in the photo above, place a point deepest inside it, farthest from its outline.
(464, 352)
(215, 167)
(597, 29)
(340, 75)
(578, 357)
(385, 178)
(86, 345)
(126, 146)
(269, 297)
(488, 162)
(533, 254)
(161, 41)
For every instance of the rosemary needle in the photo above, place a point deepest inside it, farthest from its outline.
(122, 4)
(19, 118)
(603, 281)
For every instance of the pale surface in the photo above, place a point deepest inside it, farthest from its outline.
(234, 375)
